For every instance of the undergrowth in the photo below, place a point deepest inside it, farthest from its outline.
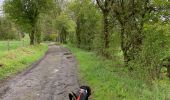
(110, 81)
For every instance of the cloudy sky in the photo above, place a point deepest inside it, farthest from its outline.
(1, 2)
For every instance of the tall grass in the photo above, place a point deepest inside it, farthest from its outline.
(18, 59)
(13, 44)
(18, 55)
(110, 81)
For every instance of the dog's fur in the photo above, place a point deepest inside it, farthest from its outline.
(83, 94)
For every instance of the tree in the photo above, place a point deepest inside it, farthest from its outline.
(105, 6)
(26, 14)
(8, 30)
(131, 15)
(65, 26)
(88, 21)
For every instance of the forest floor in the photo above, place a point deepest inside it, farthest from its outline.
(52, 78)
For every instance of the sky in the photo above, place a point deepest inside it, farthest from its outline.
(1, 2)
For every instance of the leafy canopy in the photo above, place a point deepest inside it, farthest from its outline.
(26, 12)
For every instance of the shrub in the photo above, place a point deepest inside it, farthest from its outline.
(154, 50)
(50, 37)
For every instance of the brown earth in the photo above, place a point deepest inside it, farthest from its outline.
(52, 78)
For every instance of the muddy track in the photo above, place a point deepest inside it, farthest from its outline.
(52, 78)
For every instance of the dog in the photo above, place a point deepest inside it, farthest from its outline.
(83, 94)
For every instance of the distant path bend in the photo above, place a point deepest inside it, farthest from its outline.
(51, 79)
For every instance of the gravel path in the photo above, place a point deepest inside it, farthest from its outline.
(51, 79)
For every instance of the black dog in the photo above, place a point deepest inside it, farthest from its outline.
(82, 94)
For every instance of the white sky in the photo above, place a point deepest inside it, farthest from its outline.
(1, 2)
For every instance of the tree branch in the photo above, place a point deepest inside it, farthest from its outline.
(99, 4)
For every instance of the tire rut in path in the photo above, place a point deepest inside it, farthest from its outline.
(51, 79)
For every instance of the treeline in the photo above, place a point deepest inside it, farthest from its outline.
(135, 30)
(8, 30)
(41, 19)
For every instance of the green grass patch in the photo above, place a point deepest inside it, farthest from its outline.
(18, 59)
(13, 44)
(110, 81)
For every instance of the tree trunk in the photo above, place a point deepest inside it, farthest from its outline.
(131, 40)
(106, 33)
(166, 63)
(38, 37)
(78, 33)
(168, 71)
(123, 46)
(32, 37)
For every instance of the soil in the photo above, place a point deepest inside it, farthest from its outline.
(51, 78)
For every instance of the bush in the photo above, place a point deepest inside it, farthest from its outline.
(7, 30)
(154, 50)
(53, 37)
(50, 37)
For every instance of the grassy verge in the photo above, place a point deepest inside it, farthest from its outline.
(109, 81)
(13, 44)
(18, 59)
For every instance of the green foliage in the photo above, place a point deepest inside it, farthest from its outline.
(50, 37)
(53, 37)
(138, 33)
(109, 80)
(154, 50)
(88, 22)
(65, 27)
(26, 13)
(47, 26)
(8, 30)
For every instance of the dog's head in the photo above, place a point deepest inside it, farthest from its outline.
(83, 93)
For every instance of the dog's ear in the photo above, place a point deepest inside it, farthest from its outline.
(86, 88)
(72, 96)
(89, 90)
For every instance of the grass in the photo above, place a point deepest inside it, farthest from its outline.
(110, 81)
(18, 59)
(19, 56)
(13, 44)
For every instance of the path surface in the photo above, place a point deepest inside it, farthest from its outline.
(51, 79)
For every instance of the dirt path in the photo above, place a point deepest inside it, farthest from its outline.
(51, 79)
